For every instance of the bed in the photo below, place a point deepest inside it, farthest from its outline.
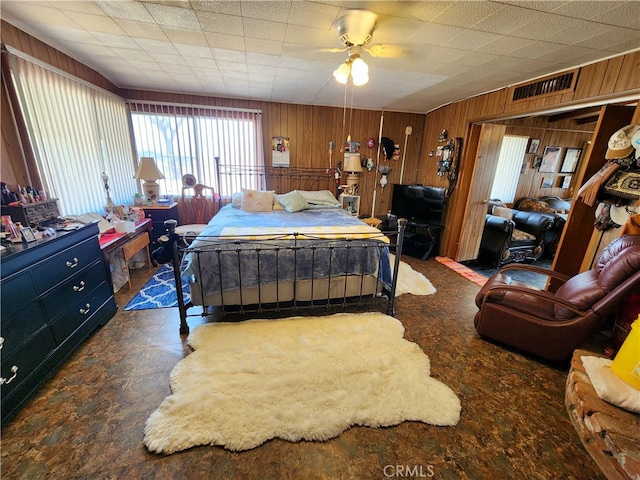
(275, 260)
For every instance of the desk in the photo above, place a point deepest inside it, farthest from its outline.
(112, 242)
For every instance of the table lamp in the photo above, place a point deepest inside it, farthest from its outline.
(148, 171)
(352, 167)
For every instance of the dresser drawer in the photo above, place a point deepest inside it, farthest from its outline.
(73, 290)
(59, 267)
(16, 292)
(19, 326)
(25, 358)
(80, 312)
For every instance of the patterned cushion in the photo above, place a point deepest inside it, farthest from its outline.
(533, 205)
(519, 236)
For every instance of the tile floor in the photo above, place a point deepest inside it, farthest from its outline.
(87, 420)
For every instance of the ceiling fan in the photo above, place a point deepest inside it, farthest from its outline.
(355, 31)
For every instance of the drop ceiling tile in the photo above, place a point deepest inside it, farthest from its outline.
(258, 45)
(158, 46)
(173, 16)
(294, 63)
(475, 59)
(117, 41)
(588, 10)
(234, 67)
(577, 31)
(96, 23)
(436, 34)
(272, 10)
(263, 59)
(509, 19)
(505, 45)
(229, 42)
(222, 54)
(268, 30)
(543, 28)
(195, 51)
(626, 15)
(539, 5)
(199, 62)
(261, 73)
(148, 66)
(521, 65)
(172, 67)
(227, 8)
(133, 54)
(312, 14)
(610, 39)
(577, 55)
(427, 11)
(137, 29)
(125, 10)
(168, 58)
(185, 36)
(466, 14)
(310, 37)
(33, 13)
(471, 40)
(220, 23)
(394, 29)
(624, 46)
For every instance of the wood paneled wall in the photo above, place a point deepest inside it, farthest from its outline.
(310, 128)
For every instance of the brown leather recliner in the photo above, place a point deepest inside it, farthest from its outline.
(551, 325)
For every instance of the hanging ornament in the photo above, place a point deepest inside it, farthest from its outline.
(384, 170)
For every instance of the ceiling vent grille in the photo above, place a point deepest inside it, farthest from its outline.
(564, 83)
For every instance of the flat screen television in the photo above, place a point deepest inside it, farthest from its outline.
(418, 203)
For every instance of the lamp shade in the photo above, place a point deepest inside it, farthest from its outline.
(148, 170)
(341, 74)
(352, 162)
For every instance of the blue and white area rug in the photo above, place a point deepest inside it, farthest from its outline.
(159, 292)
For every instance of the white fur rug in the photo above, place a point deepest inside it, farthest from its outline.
(298, 378)
(410, 281)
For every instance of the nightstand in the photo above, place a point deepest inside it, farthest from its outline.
(158, 214)
(350, 203)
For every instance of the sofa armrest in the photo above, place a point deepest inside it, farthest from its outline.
(535, 223)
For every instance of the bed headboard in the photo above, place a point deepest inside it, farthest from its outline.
(232, 178)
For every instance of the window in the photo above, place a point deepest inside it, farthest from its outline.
(76, 132)
(186, 140)
(510, 160)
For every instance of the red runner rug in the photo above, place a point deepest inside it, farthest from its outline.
(460, 269)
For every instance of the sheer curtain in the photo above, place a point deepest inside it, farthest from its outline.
(76, 131)
(510, 160)
(186, 139)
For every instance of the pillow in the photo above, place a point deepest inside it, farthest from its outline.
(236, 200)
(292, 201)
(257, 200)
(320, 197)
(533, 205)
(503, 212)
(277, 206)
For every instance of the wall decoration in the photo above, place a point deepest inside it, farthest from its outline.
(571, 159)
(534, 145)
(566, 181)
(280, 150)
(537, 160)
(550, 159)
(547, 182)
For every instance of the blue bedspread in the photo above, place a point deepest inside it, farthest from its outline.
(237, 262)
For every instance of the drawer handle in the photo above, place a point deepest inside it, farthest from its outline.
(73, 264)
(86, 309)
(14, 370)
(79, 288)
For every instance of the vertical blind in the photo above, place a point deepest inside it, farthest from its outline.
(76, 132)
(505, 182)
(187, 139)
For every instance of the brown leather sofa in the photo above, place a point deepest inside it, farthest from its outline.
(556, 209)
(551, 325)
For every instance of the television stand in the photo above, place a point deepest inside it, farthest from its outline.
(421, 240)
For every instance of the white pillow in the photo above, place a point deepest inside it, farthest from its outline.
(257, 200)
(292, 201)
(320, 197)
(236, 200)
(609, 386)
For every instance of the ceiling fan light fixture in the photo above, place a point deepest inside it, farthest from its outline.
(341, 74)
(359, 68)
(360, 80)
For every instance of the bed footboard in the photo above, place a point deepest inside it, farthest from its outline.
(278, 286)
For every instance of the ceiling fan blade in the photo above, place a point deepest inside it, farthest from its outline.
(387, 51)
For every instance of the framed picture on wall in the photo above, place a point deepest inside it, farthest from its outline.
(571, 159)
(550, 159)
(566, 181)
(534, 145)
(547, 182)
